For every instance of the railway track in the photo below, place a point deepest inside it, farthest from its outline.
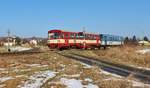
(122, 70)
(26, 52)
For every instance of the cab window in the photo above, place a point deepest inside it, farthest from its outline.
(53, 35)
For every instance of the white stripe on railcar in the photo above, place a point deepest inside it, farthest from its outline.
(112, 43)
(56, 41)
(72, 41)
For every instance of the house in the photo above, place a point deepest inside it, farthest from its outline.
(33, 42)
(4, 41)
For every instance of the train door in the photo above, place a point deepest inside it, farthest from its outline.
(67, 39)
(74, 39)
(97, 40)
(105, 40)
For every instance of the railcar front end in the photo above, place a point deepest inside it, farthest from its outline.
(58, 39)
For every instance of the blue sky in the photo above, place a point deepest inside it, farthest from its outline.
(27, 18)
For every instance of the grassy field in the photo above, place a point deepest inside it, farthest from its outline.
(126, 55)
(123, 55)
(2, 49)
(20, 70)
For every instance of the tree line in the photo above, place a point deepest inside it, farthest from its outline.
(134, 40)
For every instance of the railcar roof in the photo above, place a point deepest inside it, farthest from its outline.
(109, 35)
(59, 30)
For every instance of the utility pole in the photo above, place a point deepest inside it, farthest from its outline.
(8, 40)
(84, 42)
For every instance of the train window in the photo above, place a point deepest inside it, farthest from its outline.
(50, 35)
(62, 36)
(86, 36)
(101, 37)
(110, 39)
(90, 37)
(67, 36)
(94, 37)
(105, 38)
(80, 35)
(114, 38)
(54, 35)
(118, 39)
(76, 36)
(72, 36)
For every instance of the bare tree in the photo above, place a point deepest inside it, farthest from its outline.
(145, 38)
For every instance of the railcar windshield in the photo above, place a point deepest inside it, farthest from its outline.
(80, 35)
(53, 35)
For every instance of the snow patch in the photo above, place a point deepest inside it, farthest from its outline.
(134, 83)
(91, 86)
(3, 79)
(2, 86)
(76, 75)
(19, 49)
(73, 83)
(88, 79)
(111, 78)
(144, 68)
(107, 73)
(139, 84)
(2, 69)
(38, 79)
(36, 65)
(18, 76)
(102, 71)
(144, 51)
(62, 65)
(86, 65)
(33, 65)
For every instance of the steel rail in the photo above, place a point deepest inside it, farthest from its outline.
(26, 52)
(122, 70)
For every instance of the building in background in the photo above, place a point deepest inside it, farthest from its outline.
(4, 41)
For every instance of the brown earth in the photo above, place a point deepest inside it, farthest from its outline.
(19, 65)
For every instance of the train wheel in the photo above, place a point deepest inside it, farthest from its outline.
(104, 47)
(60, 48)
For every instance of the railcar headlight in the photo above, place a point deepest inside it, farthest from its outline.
(58, 41)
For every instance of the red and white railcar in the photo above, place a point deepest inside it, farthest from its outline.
(63, 39)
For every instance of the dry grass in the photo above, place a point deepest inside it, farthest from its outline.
(121, 83)
(65, 66)
(115, 84)
(125, 55)
(16, 66)
(2, 49)
(92, 73)
(54, 85)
